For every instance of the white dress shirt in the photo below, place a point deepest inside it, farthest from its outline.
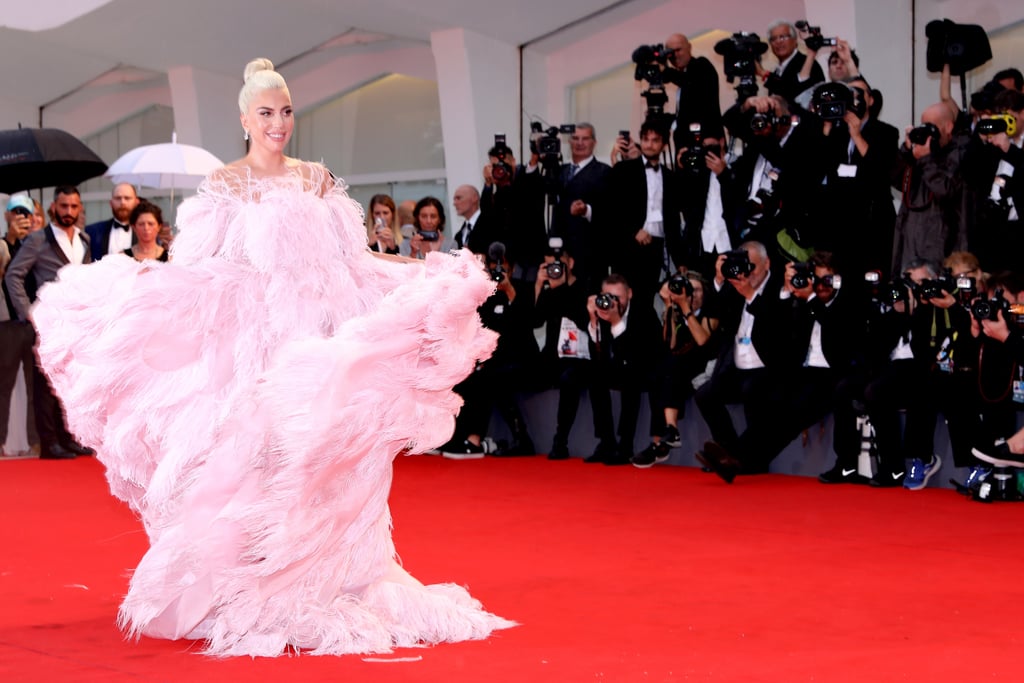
(120, 239)
(73, 248)
(745, 355)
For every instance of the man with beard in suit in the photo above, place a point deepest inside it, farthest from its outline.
(645, 232)
(115, 235)
(582, 197)
(42, 255)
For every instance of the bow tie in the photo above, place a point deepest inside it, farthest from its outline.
(652, 164)
(122, 227)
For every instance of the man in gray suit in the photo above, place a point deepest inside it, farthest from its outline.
(43, 253)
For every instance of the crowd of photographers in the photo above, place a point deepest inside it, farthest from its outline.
(794, 254)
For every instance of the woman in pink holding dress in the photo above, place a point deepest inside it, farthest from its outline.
(248, 399)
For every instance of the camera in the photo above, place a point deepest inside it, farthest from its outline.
(605, 301)
(429, 235)
(997, 123)
(921, 135)
(501, 170)
(833, 280)
(21, 211)
(679, 283)
(988, 309)
(803, 275)
(740, 54)
(557, 269)
(647, 58)
(545, 143)
(966, 289)
(933, 288)
(763, 121)
(692, 160)
(831, 101)
(885, 293)
(496, 272)
(736, 264)
(815, 41)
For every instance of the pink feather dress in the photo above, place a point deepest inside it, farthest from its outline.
(247, 400)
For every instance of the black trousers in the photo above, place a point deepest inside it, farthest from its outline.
(631, 383)
(16, 342)
(49, 412)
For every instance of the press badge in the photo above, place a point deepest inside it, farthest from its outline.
(1018, 387)
(743, 340)
(499, 309)
(847, 171)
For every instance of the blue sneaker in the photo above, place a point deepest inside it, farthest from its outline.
(975, 476)
(920, 472)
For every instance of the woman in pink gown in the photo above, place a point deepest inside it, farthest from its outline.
(248, 398)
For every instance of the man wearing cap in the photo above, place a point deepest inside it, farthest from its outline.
(41, 256)
(16, 338)
(115, 235)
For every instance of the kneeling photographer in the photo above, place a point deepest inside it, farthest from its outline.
(688, 334)
(496, 381)
(624, 347)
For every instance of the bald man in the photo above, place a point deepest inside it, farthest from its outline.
(927, 226)
(697, 101)
(113, 236)
(477, 231)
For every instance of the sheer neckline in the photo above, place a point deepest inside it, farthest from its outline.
(242, 183)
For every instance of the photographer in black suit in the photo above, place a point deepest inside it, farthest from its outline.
(513, 200)
(757, 356)
(697, 81)
(624, 348)
(645, 231)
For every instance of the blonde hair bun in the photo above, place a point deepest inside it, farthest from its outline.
(257, 65)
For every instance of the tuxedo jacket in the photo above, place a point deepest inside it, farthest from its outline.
(99, 236)
(636, 350)
(39, 257)
(773, 334)
(842, 332)
(629, 183)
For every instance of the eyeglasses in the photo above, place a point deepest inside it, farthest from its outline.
(779, 39)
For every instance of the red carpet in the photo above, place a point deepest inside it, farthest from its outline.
(616, 575)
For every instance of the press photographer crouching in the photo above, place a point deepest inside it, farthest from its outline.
(561, 308)
(688, 333)
(496, 382)
(624, 345)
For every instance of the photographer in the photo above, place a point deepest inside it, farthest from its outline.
(581, 197)
(514, 201)
(1000, 238)
(928, 175)
(777, 173)
(854, 207)
(496, 381)
(645, 230)
(789, 78)
(561, 308)
(697, 98)
(478, 231)
(688, 334)
(624, 343)
(428, 220)
(997, 324)
(709, 193)
(756, 357)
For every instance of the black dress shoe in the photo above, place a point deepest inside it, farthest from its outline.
(719, 461)
(77, 448)
(606, 450)
(55, 452)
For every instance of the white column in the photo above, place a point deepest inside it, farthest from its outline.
(478, 85)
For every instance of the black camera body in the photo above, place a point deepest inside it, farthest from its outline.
(815, 41)
(803, 275)
(760, 121)
(501, 170)
(679, 283)
(988, 309)
(21, 211)
(831, 101)
(548, 143)
(429, 235)
(647, 58)
(606, 301)
(496, 273)
(932, 288)
(962, 46)
(925, 134)
(741, 53)
(737, 263)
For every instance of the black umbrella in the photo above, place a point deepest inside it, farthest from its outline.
(44, 157)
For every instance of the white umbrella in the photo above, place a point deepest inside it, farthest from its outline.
(167, 165)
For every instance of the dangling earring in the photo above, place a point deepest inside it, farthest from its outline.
(246, 136)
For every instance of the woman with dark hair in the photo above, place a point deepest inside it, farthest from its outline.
(428, 218)
(382, 225)
(146, 220)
